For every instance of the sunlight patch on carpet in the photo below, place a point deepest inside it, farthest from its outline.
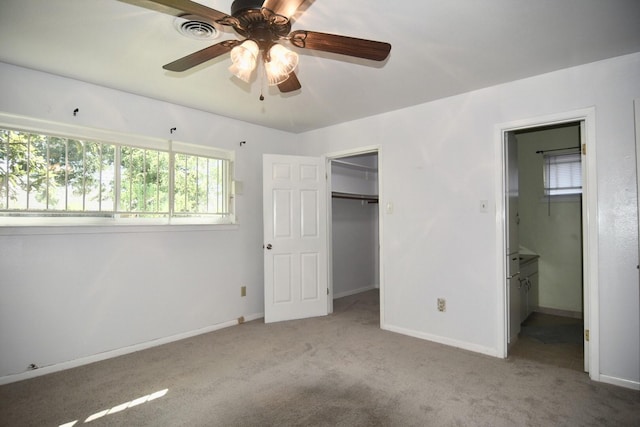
(121, 407)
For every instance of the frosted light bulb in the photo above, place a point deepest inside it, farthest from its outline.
(282, 63)
(243, 59)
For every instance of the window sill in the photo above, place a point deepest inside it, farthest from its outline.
(40, 229)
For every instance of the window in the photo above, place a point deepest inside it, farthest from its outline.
(562, 174)
(51, 176)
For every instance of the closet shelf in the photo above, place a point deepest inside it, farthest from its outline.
(365, 197)
(355, 166)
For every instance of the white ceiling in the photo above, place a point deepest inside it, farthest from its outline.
(440, 48)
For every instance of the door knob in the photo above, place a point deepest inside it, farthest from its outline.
(269, 246)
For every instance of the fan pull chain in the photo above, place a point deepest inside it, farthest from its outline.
(262, 73)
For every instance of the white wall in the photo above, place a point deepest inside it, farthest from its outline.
(438, 160)
(551, 230)
(69, 295)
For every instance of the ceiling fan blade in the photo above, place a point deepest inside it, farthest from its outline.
(183, 7)
(291, 84)
(360, 48)
(283, 7)
(201, 56)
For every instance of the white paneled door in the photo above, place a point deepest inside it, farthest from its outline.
(295, 241)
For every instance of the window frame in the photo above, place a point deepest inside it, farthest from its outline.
(113, 220)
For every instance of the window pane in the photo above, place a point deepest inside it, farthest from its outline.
(99, 176)
(156, 181)
(203, 184)
(125, 179)
(107, 188)
(75, 175)
(18, 169)
(181, 177)
(200, 185)
(57, 173)
(563, 174)
(163, 178)
(217, 186)
(144, 182)
(38, 188)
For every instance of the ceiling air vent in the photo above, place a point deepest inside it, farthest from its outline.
(195, 27)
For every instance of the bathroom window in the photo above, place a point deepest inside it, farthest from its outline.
(562, 174)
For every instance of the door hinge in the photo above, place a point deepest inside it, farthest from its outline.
(584, 149)
(327, 291)
(586, 335)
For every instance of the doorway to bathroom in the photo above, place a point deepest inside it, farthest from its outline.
(535, 293)
(549, 295)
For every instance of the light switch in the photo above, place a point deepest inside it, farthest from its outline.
(238, 187)
(389, 208)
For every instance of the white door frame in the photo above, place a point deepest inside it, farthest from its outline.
(590, 229)
(328, 158)
(636, 109)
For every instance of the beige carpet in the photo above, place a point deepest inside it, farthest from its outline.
(337, 370)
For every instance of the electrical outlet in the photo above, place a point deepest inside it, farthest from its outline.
(243, 291)
(442, 304)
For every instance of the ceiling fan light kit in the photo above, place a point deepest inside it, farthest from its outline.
(278, 62)
(263, 24)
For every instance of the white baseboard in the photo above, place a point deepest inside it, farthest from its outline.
(354, 291)
(633, 385)
(121, 351)
(443, 340)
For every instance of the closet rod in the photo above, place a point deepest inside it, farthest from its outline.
(353, 196)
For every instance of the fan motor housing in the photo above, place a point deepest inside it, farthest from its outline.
(239, 6)
(261, 25)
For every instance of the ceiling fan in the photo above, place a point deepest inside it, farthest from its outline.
(263, 24)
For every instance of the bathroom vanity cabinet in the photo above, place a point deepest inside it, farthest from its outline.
(528, 285)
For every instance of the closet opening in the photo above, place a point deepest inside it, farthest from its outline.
(354, 224)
